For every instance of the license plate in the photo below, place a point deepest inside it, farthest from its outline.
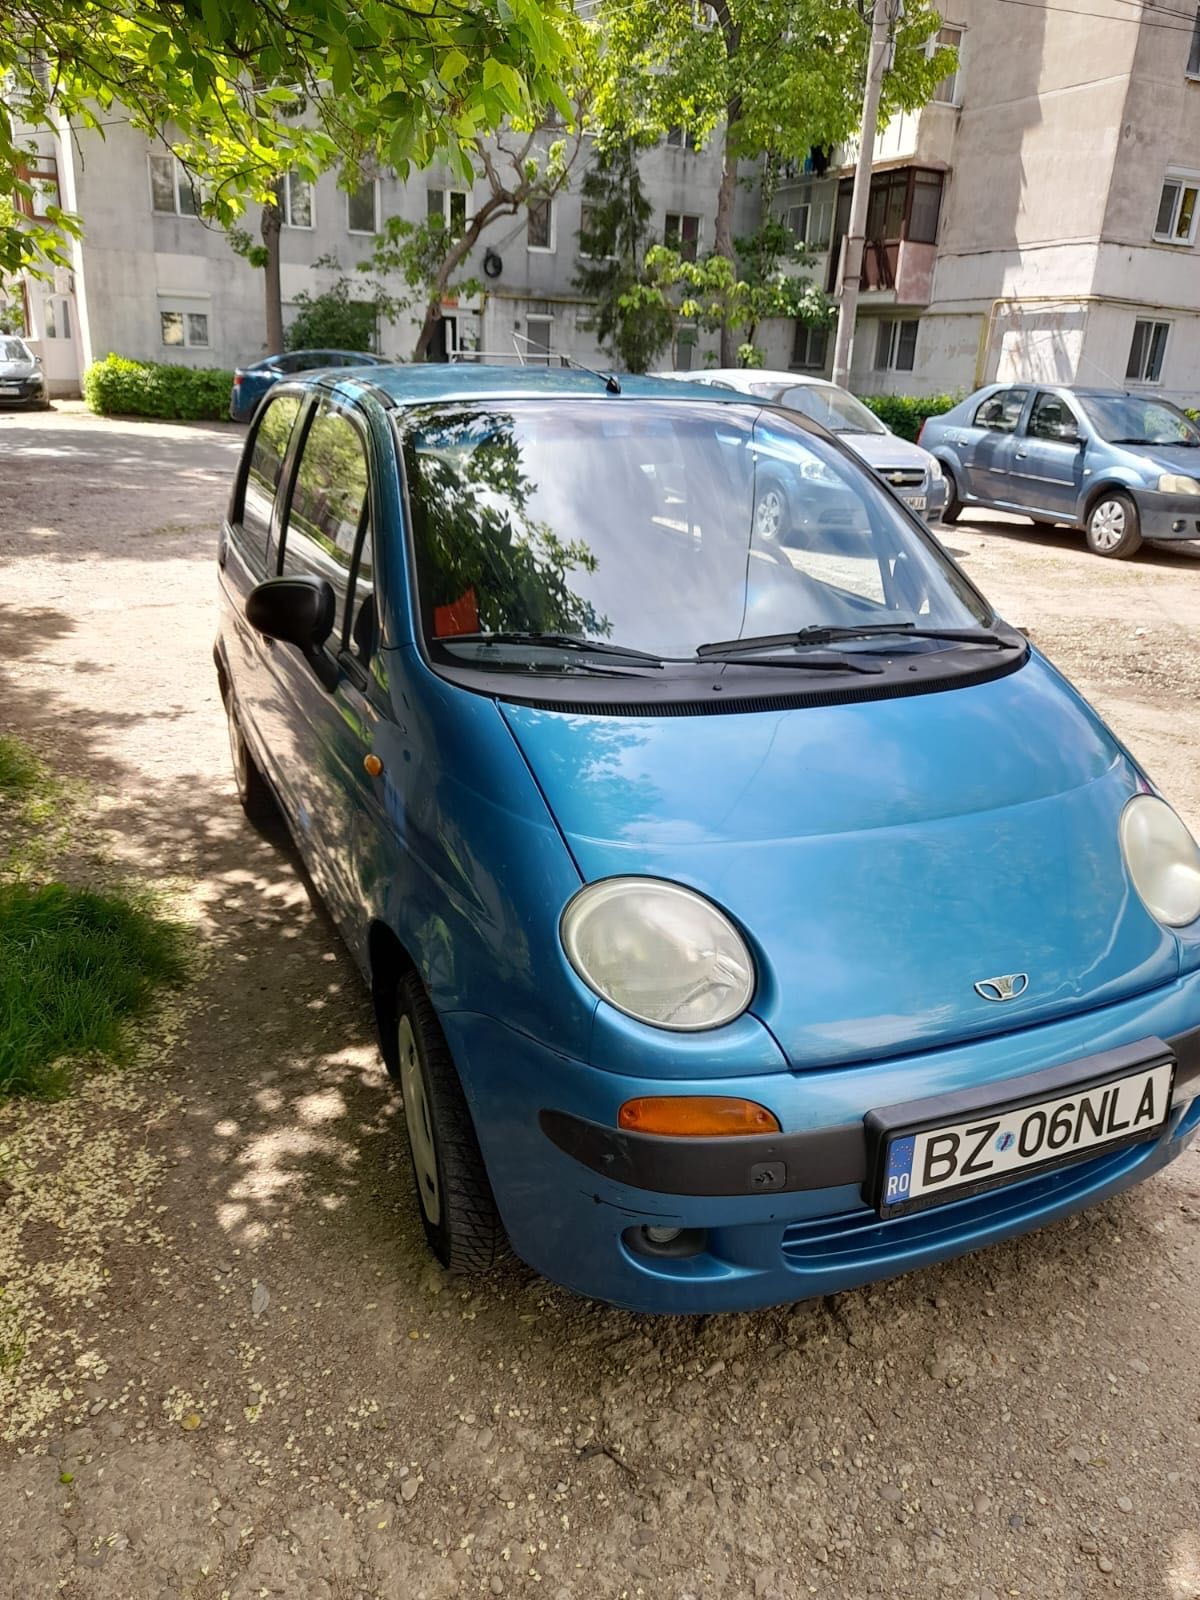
(10, 388)
(916, 501)
(1002, 1143)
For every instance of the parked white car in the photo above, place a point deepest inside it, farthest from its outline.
(909, 471)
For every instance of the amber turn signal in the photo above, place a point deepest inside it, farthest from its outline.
(373, 764)
(695, 1116)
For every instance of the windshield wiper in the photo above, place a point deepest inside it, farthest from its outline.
(559, 641)
(818, 635)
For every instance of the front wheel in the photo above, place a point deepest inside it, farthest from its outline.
(255, 793)
(1113, 526)
(771, 512)
(458, 1211)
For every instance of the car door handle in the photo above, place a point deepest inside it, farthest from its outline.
(1021, 454)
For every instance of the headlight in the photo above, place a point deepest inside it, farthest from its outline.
(1173, 483)
(1163, 860)
(658, 952)
(935, 469)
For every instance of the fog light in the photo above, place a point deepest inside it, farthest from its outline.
(663, 1235)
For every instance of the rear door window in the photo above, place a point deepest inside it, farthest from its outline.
(329, 508)
(1001, 412)
(268, 452)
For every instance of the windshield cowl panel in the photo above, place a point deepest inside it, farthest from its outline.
(599, 543)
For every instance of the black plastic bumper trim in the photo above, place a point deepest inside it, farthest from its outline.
(827, 1158)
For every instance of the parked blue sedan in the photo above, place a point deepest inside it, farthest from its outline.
(746, 919)
(1123, 467)
(251, 382)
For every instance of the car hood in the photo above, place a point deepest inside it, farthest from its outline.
(882, 857)
(885, 451)
(17, 369)
(1182, 458)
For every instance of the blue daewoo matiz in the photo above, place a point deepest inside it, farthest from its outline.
(746, 918)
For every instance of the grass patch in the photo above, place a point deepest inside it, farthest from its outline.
(75, 966)
(21, 773)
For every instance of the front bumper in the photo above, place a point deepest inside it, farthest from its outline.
(817, 1235)
(1168, 516)
(23, 392)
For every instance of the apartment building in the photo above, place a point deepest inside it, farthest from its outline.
(152, 280)
(1038, 220)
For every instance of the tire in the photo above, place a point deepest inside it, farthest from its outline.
(953, 509)
(1113, 526)
(771, 512)
(454, 1196)
(254, 792)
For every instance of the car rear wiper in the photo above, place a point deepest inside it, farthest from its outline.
(559, 641)
(868, 630)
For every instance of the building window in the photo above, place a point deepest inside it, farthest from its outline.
(810, 219)
(947, 92)
(809, 346)
(41, 174)
(682, 138)
(184, 330)
(296, 198)
(539, 337)
(1177, 211)
(1193, 65)
(172, 192)
(1147, 350)
(681, 233)
(451, 206)
(896, 345)
(362, 207)
(540, 226)
(56, 317)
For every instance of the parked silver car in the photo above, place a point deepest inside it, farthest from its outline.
(908, 470)
(22, 381)
(1123, 467)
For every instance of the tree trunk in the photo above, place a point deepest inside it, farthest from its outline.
(270, 226)
(458, 253)
(723, 242)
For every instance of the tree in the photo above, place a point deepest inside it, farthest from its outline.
(332, 320)
(243, 91)
(777, 76)
(517, 171)
(612, 244)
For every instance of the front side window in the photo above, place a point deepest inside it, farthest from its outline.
(329, 498)
(1146, 351)
(896, 346)
(1052, 418)
(1128, 419)
(1001, 411)
(540, 234)
(681, 233)
(659, 526)
(267, 455)
(1175, 222)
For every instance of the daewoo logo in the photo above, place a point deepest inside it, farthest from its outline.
(1006, 988)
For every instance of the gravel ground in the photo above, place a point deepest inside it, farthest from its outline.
(227, 1366)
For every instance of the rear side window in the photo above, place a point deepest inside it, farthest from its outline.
(1002, 411)
(329, 499)
(267, 456)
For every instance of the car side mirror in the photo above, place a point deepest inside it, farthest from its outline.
(300, 610)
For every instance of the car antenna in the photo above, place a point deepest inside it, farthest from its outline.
(609, 380)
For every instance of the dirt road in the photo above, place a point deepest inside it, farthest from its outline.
(227, 1367)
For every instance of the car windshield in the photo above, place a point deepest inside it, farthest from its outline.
(654, 526)
(13, 350)
(834, 408)
(1130, 419)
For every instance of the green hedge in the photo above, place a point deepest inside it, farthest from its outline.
(116, 387)
(904, 413)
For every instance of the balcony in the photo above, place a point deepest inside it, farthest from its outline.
(900, 249)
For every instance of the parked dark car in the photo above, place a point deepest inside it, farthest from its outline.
(251, 382)
(1123, 467)
(746, 918)
(22, 381)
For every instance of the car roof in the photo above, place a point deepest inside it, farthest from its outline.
(426, 382)
(743, 377)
